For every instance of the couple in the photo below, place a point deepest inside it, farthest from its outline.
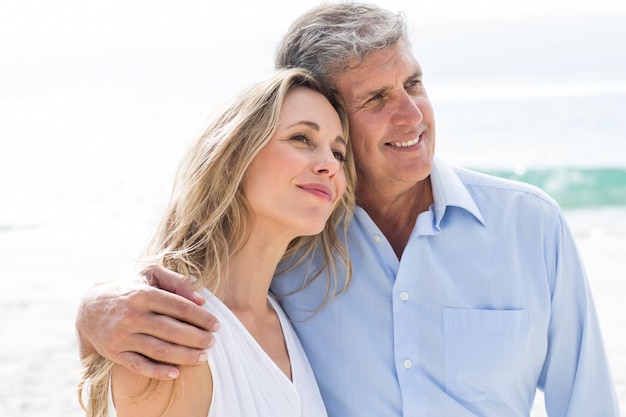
(467, 291)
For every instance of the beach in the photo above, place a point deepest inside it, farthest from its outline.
(97, 107)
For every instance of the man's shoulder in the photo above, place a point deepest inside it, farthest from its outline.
(472, 178)
(475, 180)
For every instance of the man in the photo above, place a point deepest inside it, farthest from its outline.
(467, 292)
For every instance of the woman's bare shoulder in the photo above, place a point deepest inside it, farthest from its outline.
(189, 395)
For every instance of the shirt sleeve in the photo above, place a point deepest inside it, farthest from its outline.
(576, 377)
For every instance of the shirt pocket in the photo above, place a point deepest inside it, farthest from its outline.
(483, 352)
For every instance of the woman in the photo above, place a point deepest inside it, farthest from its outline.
(258, 187)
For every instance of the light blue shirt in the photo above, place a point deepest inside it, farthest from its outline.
(489, 302)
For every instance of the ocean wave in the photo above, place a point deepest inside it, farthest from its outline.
(575, 187)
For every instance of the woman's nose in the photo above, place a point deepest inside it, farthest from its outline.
(327, 163)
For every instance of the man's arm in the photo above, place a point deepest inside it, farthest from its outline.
(576, 376)
(146, 325)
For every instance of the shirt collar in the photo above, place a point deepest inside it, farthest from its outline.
(449, 190)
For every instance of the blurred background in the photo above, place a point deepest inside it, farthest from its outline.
(99, 100)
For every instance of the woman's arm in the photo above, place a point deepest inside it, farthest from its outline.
(189, 395)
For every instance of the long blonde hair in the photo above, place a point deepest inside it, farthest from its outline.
(207, 216)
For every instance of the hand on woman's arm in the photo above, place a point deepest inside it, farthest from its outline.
(146, 325)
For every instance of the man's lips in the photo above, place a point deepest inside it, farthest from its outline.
(406, 144)
(319, 190)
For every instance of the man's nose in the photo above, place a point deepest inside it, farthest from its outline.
(407, 111)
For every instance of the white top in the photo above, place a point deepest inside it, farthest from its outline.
(246, 381)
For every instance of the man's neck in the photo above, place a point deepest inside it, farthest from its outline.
(395, 214)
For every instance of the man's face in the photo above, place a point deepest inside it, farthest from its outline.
(392, 125)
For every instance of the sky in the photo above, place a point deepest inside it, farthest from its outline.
(222, 46)
(119, 80)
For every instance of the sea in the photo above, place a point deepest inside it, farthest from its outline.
(98, 102)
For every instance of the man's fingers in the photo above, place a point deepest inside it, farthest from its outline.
(138, 364)
(194, 324)
(166, 337)
(160, 277)
(160, 351)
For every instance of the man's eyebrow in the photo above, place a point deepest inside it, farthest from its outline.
(417, 74)
(371, 93)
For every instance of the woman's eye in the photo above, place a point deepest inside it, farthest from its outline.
(340, 156)
(300, 138)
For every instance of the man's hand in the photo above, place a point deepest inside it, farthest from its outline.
(144, 325)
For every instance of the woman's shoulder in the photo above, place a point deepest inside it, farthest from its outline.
(188, 395)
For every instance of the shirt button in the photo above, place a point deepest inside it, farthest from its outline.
(377, 239)
(404, 295)
(407, 363)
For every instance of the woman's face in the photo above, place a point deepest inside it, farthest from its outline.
(296, 180)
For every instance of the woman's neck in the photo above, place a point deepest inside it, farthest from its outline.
(250, 273)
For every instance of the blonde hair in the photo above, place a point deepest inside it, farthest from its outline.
(207, 217)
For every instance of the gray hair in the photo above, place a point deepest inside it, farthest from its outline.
(330, 38)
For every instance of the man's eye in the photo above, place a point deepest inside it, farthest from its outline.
(413, 84)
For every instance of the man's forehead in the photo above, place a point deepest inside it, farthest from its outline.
(388, 68)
